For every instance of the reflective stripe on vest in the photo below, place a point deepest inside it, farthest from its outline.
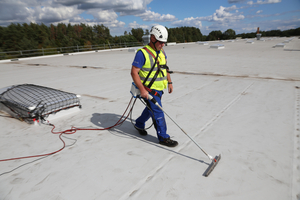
(161, 81)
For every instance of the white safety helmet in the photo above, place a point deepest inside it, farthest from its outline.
(160, 33)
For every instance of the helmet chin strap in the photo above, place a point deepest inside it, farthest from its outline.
(154, 44)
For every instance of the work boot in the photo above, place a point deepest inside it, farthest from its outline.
(142, 131)
(168, 142)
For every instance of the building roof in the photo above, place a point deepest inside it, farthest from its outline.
(242, 102)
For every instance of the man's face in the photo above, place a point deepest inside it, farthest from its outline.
(158, 44)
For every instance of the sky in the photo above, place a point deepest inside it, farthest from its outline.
(243, 16)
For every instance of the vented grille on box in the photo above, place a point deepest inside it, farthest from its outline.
(30, 101)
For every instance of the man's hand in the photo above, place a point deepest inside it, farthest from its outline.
(144, 94)
(170, 88)
(137, 80)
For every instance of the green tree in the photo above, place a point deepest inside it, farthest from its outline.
(71, 32)
(196, 34)
(27, 44)
(184, 34)
(101, 33)
(60, 34)
(52, 32)
(43, 35)
(1, 37)
(229, 34)
(214, 35)
(12, 37)
(128, 38)
(137, 33)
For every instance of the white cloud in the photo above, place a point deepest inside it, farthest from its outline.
(235, 1)
(65, 11)
(280, 24)
(114, 24)
(263, 2)
(15, 11)
(133, 25)
(249, 29)
(136, 25)
(265, 25)
(268, 1)
(152, 16)
(52, 14)
(105, 12)
(103, 15)
(223, 15)
(195, 22)
(288, 24)
(228, 9)
(124, 7)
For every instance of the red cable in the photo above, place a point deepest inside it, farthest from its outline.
(72, 131)
(48, 154)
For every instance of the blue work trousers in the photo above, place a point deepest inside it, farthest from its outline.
(157, 115)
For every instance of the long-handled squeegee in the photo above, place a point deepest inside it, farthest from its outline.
(215, 160)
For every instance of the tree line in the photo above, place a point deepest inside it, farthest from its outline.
(272, 33)
(230, 34)
(16, 37)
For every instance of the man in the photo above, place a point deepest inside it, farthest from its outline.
(150, 74)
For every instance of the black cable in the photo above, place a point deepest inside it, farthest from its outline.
(148, 108)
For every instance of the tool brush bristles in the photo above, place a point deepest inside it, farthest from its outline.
(212, 165)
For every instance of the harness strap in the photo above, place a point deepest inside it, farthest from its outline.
(152, 65)
(149, 52)
(155, 75)
(161, 66)
(158, 66)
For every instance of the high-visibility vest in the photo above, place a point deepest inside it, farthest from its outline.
(161, 81)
